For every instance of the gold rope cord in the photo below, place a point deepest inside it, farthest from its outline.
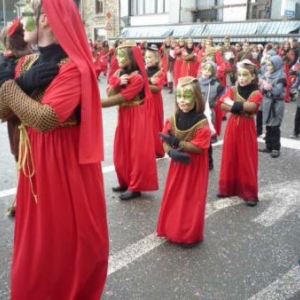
(25, 161)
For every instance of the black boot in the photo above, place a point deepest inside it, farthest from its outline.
(170, 85)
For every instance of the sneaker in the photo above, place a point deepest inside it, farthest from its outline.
(265, 150)
(294, 136)
(275, 153)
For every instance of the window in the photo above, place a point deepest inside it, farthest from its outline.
(99, 7)
(144, 7)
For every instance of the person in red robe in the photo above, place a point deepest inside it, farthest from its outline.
(178, 51)
(156, 78)
(190, 63)
(60, 246)
(113, 66)
(134, 154)
(164, 51)
(186, 137)
(239, 162)
(15, 49)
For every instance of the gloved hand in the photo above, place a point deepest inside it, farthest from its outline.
(37, 76)
(7, 69)
(170, 139)
(178, 155)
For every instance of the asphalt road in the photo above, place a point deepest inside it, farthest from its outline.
(247, 253)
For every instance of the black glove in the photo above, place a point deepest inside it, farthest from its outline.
(237, 107)
(7, 69)
(170, 139)
(37, 76)
(178, 155)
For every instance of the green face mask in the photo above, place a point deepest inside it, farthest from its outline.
(29, 20)
(186, 95)
(121, 56)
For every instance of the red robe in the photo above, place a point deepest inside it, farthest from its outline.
(189, 67)
(178, 63)
(239, 162)
(181, 217)
(61, 242)
(134, 155)
(158, 112)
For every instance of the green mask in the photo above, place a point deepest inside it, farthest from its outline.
(121, 56)
(186, 95)
(29, 20)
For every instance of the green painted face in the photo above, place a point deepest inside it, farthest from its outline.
(244, 77)
(270, 66)
(122, 58)
(208, 68)
(29, 19)
(186, 95)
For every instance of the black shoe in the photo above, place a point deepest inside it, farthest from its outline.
(221, 196)
(11, 211)
(129, 195)
(119, 188)
(214, 139)
(189, 246)
(251, 203)
(265, 150)
(275, 153)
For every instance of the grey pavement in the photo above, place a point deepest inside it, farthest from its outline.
(247, 253)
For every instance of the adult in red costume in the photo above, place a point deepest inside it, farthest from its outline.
(190, 63)
(239, 163)
(178, 51)
(186, 137)
(134, 154)
(156, 78)
(61, 239)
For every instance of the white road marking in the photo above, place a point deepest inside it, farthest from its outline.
(286, 143)
(6, 193)
(126, 256)
(283, 288)
(284, 202)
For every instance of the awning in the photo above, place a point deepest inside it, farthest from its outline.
(257, 32)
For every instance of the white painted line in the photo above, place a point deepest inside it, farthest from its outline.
(6, 193)
(124, 257)
(283, 288)
(286, 143)
(285, 199)
(129, 254)
(108, 169)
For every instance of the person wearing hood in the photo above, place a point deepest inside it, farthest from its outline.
(262, 71)
(211, 89)
(60, 246)
(272, 85)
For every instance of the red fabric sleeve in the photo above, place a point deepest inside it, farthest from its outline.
(64, 93)
(134, 86)
(202, 138)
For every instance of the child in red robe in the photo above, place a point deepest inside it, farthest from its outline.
(239, 162)
(134, 155)
(186, 136)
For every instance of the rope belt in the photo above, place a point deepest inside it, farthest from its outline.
(25, 161)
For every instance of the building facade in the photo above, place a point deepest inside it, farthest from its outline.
(101, 18)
